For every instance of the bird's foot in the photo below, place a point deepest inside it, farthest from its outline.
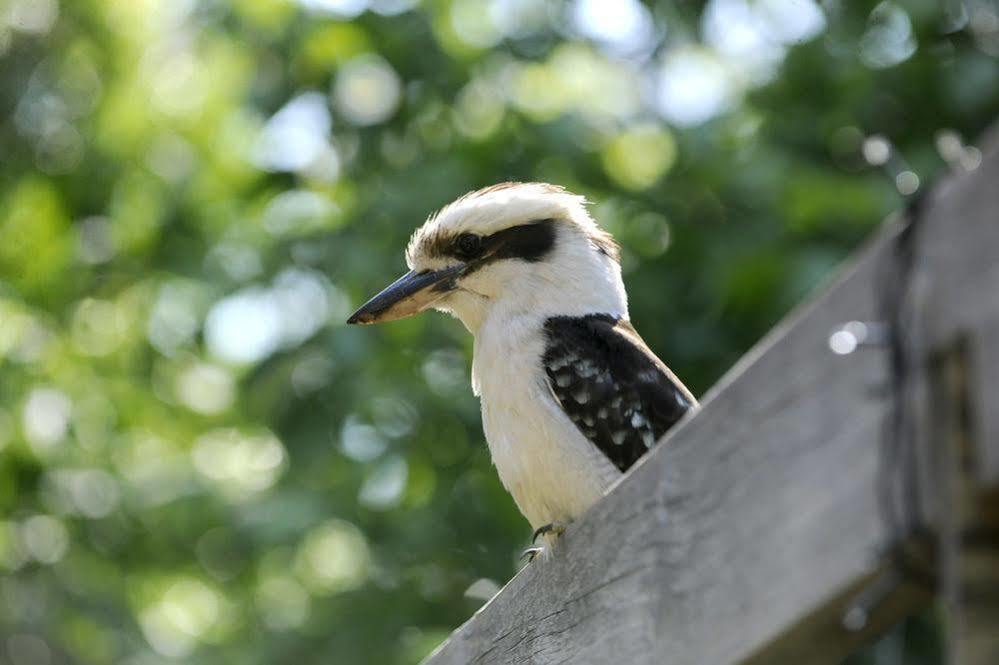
(548, 534)
(531, 553)
(553, 529)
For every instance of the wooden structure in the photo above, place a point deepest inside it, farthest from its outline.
(817, 497)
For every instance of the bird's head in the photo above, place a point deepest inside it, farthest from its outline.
(513, 248)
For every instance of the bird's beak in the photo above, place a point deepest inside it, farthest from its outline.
(408, 295)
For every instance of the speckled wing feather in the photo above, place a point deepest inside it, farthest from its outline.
(617, 392)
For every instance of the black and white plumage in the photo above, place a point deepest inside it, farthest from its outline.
(571, 396)
(617, 392)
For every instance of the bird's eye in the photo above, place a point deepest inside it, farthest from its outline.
(468, 245)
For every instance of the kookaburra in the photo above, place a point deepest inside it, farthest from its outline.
(571, 396)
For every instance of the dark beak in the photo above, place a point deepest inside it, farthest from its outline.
(408, 295)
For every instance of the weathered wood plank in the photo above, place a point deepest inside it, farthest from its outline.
(959, 261)
(985, 411)
(978, 635)
(968, 536)
(758, 512)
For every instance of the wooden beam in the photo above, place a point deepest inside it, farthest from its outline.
(955, 305)
(744, 533)
(969, 529)
(977, 637)
(959, 270)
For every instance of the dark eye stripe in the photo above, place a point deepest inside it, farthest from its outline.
(529, 242)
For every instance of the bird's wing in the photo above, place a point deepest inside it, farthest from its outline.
(610, 384)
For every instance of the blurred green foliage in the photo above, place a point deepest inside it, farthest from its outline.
(198, 461)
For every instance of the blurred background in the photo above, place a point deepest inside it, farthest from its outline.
(200, 463)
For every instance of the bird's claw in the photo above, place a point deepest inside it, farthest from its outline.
(531, 553)
(553, 528)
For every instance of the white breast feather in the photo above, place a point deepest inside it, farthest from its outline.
(552, 471)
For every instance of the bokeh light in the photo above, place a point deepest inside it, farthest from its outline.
(367, 90)
(694, 86)
(184, 614)
(239, 463)
(45, 418)
(333, 558)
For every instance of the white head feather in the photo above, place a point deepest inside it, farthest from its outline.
(581, 275)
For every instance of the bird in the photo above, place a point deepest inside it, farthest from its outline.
(571, 396)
